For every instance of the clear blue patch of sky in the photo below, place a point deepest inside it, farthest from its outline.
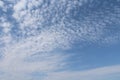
(93, 56)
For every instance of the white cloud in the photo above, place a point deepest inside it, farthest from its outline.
(34, 54)
(1, 3)
(50, 15)
(21, 5)
(58, 29)
(93, 74)
(5, 26)
(3, 6)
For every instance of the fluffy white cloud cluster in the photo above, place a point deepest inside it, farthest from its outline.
(66, 17)
(5, 25)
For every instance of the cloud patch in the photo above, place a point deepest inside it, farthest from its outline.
(93, 74)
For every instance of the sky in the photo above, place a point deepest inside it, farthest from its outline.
(59, 39)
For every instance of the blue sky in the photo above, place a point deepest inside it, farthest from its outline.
(59, 40)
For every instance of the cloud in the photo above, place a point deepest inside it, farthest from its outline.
(5, 27)
(33, 54)
(93, 74)
(92, 26)
(1, 4)
(42, 44)
(44, 26)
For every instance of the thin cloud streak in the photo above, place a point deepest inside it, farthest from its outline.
(93, 74)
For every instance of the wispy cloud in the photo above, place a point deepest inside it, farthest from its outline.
(33, 54)
(93, 74)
